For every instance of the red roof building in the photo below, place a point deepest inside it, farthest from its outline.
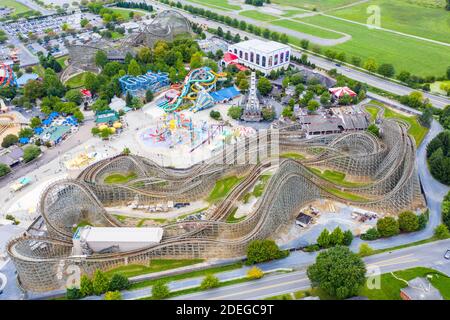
(339, 92)
(232, 59)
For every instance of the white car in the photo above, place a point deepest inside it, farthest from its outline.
(447, 255)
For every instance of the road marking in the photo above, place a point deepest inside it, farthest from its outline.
(258, 289)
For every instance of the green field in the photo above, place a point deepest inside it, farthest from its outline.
(217, 4)
(126, 13)
(415, 130)
(416, 56)
(390, 287)
(18, 7)
(258, 15)
(156, 265)
(290, 13)
(311, 4)
(76, 81)
(222, 188)
(117, 178)
(336, 177)
(62, 61)
(292, 155)
(404, 16)
(305, 28)
(373, 111)
(346, 195)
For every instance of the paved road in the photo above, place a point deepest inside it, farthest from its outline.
(372, 80)
(428, 255)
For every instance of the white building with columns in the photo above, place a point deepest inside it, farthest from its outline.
(260, 55)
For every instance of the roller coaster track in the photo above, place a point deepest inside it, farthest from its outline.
(393, 187)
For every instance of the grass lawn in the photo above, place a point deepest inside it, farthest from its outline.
(115, 35)
(82, 223)
(126, 13)
(232, 219)
(290, 13)
(76, 81)
(404, 16)
(318, 4)
(156, 265)
(390, 287)
(336, 177)
(120, 178)
(222, 188)
(416, 56)
(373, 111)
(62, 60)
(18, 7)
(346, 195)
(292, 155)
(258, 15)
(193, 274)
(218, 4)
(305, 28)
(415, 130)
(38, 69)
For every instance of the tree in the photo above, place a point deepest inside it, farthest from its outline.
(52, 84)
(113, 295)
(441, 232)
(160, 290)
(268, 113)
(325, 98)
(255, 273)
(9, 140)
(33, 90)
(426, 118)
(264, 86)
(26, 133)
(91, 82)
(118, 282)
(387, 70)
(149, 96)
(336, 237)
(134, 69)
(244, 85)
(31, 153)
(324, 239)
(313, 105)
(86, 287)
(370, 65)
(101, 59)
(373, 128)
(365, 250)
(348, 238)
(235, 112)
(74, 95)
(100, 282)
(4, 169)
(388, 227)
(196, 60)
(263, 250)
(408, 221)
(338, 271)
(209, 282)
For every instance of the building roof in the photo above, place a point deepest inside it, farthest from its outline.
(339, 92)
(55, 133)
(11, 156)
(225, 94)
(260, 45)
(26, 77)
(303, 218)
(125, 234)
(105, 117)
(421, 289)
(230, 57)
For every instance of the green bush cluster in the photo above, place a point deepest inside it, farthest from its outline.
(264, 250)
(99, 284)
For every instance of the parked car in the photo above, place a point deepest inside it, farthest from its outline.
(447, 255)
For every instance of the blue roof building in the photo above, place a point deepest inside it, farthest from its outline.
(25, 78)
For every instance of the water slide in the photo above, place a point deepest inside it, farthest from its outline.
(193, 78)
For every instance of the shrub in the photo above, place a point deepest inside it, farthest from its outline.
(4, 169)
(100, 283)
(365, 250)
(371, 234)
(324, 239)
(118, 282)
(348, 238)
(215, 115)
(336, 237)
(311, 248)
(209, 282)
(263, 250)
(86, 287)
(255, 273)
(408, 221)
(113, 295)
(388, 227)
(73, 293)
(160, 290)
(235, 112)
(441, 232)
